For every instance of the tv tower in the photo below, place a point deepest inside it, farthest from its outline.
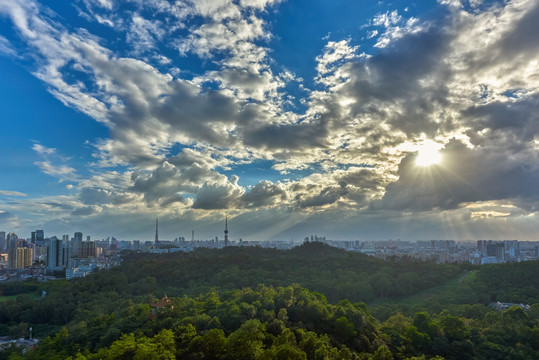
(226, 230)
(156, 232)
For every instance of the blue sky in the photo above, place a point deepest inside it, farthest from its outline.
(351, 120)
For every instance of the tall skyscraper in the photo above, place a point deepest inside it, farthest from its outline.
(11, 244)
(156, 242)
(226, 230)
(78, 237)
(37, 237)
(58, 254)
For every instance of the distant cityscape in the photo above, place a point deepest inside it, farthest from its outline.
(44, 258)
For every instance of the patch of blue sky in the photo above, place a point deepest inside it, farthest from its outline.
(252, 173)
(302, 28)
(32, 115)
(479, 6)
(175, 149)
(513, 93)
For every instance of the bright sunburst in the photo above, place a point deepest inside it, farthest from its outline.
(428, 154)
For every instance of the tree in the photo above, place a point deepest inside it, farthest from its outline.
(246, 342)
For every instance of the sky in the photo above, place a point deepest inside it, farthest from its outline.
(354, 120)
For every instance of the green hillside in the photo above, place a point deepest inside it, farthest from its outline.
(254, 303)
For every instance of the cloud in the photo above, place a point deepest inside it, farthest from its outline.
(86, 211)
(223, 195)
(6, 47)
(464, 176)
(326, 196)
(50, 165)
(464, 76)
(144, 33)
(12, 193)
(4, 215)
(265, 193)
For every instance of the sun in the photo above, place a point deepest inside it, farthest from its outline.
(428, 154)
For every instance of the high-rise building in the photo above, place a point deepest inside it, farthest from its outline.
(78, 237)
(3, 241)
(37, 237)
(496, 249)
(87, 249)
(58, 254)
(12, 238)
(23, 257)
(11, 244)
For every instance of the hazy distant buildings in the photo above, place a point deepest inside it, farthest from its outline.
(77, 237)
(2, 241)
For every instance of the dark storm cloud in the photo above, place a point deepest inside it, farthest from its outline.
(464, 176)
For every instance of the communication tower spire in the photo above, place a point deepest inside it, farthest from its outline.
(156, 232)
(226, 230)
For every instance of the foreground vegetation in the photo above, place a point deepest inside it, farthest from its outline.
(240, 304)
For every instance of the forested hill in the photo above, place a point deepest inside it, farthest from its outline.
(337, 273)
(254, 303)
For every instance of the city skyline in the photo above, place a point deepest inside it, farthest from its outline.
(353, 120)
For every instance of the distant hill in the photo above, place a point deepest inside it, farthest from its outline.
(319, 267)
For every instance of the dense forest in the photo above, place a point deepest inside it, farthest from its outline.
(254, 303)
